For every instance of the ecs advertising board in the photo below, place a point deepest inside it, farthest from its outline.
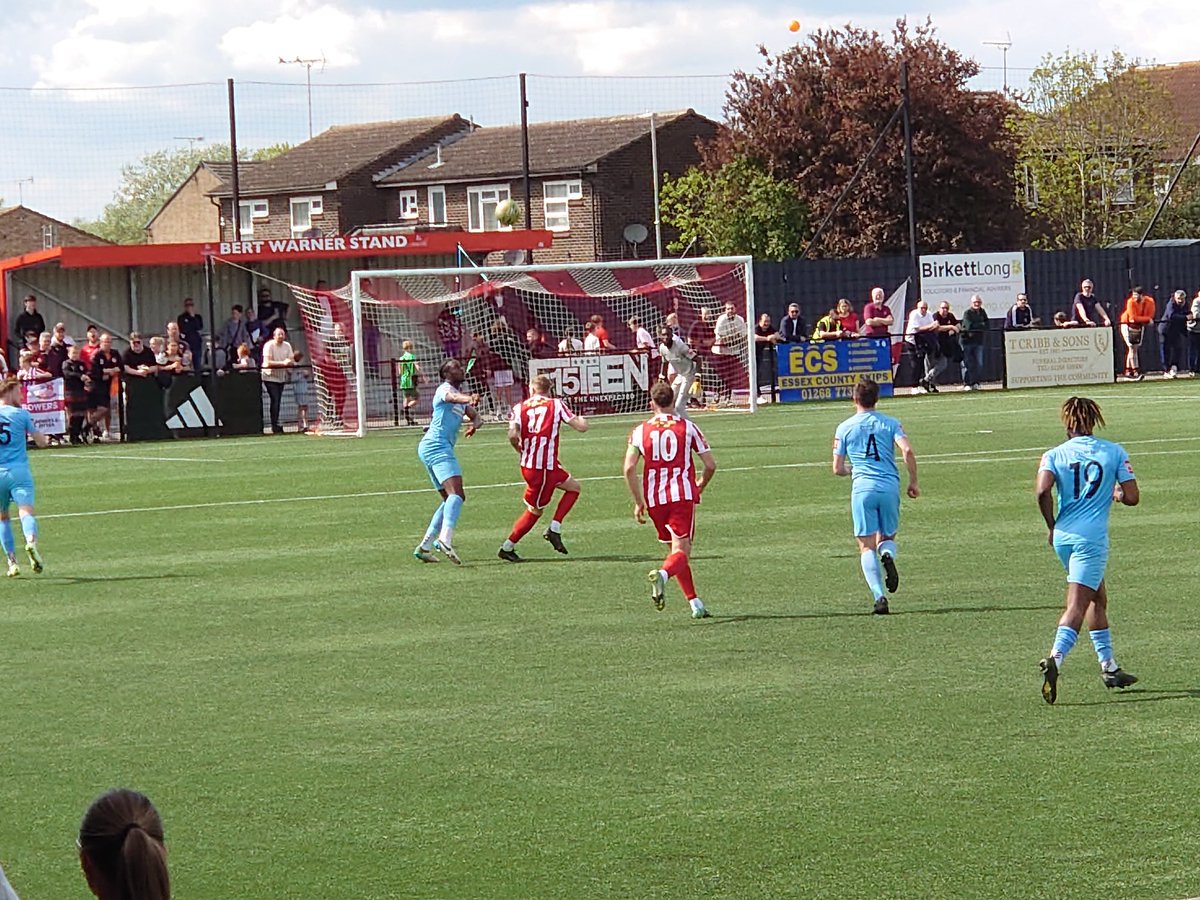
(828, 370)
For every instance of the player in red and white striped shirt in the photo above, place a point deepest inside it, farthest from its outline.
(533, 430)
(669, 490)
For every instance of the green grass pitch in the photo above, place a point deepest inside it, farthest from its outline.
(237, 628)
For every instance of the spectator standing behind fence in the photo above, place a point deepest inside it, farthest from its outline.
(1172, 331)
(1086, 309)
(949, 346)
(792, 328)
(27, 368)
(535, 344)
(76, 382)
(29, 321)
(591, 341)
(642, 339)
(877, 319)
(922, 335)
(138, 361)
(233, 332)
(58, 335)
(847, 319)
(1137, 316)
(765, 339)
(601, 332)
(121, 849)
(54, 354)
(729, 346)
(90, 346)
(191, 326)
(106, 369)
(245, 359)
(973, 334)
(300, 376)
(1193, 327)
(1020, 315)
(570, 343)
(277, 357)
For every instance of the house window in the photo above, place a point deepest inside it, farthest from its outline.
(304, 210)
(49, 236)
(408, 205)
(437, 205)
(481, 207)
(556, 197)
(1031, 189)
(248, 211)
(1123, 184)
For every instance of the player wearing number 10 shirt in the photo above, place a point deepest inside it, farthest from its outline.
(866, 439)
(1088, 474)
(669, 489)
(533, 430)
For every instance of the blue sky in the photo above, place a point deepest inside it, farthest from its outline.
(73, 142)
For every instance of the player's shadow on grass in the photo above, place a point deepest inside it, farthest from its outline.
(866, 613)
(613, 557)
(105, 579)
(1142, 695)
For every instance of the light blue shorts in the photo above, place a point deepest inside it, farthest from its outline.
(875, 512)
(16, 486)
(440, 464)
(1084, 560)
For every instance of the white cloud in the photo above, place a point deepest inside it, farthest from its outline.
(323, 32)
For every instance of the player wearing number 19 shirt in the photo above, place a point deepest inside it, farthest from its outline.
(1088, 474)
(866, 439)
(669, 490)
(533, 430)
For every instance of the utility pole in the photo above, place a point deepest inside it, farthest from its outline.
(1004, 46)
(308, 64)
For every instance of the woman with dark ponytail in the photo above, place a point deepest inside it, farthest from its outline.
(121, 848)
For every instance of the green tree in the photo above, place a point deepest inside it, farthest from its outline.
(810, 114)
(738, 208)
(1092, 135)
(147, 184)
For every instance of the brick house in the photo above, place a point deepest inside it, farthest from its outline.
(24, 230)
(589, 180)
(325, 185)
(192, 214)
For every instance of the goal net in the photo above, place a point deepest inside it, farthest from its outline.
(510, 323)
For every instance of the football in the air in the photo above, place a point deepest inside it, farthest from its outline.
(508, 212)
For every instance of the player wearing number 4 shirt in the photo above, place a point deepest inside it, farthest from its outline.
(1088, 474)
(16, 481)
(533, 430)
(669, 490)
(866, 439)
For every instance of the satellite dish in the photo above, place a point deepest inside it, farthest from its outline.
(636, 233)
(514, 257)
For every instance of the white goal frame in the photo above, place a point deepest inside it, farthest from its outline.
(483, 271)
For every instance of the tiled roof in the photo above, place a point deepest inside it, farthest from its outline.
(1182, 84)
(554, 147)
(223, 169)
(341, 151)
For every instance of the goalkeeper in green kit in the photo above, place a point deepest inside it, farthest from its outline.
(410, 374)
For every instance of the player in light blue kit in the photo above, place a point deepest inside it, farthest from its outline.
(1089, 474)
(867, 439)
(16, 481)
(436, 451)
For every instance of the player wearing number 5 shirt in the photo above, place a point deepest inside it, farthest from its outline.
(533, 430)
(867, 440)
(669, 490)
(1088, 474)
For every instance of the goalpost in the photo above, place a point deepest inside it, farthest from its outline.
(509, 323)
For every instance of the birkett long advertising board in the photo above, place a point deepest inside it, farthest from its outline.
(829, 369)
(996, 277)
(1058, 356)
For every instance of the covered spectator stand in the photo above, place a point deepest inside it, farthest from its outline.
(125, 288)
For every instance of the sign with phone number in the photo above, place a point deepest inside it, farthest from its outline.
(828, 370)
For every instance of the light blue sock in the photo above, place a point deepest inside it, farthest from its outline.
(888, 547)
(1102, 641)
(6, 538)
(435, 525)
(453, 506)
(1064, 640)
(29, 526)
(870, 568)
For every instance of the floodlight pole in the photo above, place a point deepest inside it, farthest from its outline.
(908, 173)
(525, 160)
(658, 248)
(233, 157)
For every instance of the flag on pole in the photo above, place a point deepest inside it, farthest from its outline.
(898, 304)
